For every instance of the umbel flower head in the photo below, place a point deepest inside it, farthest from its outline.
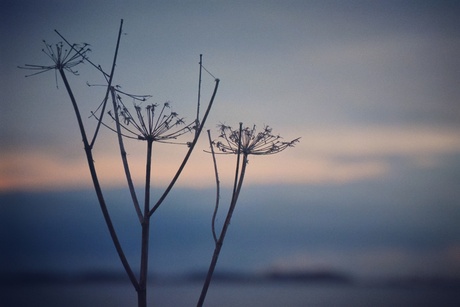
(62, 58)
(151, 123)
(250, 142)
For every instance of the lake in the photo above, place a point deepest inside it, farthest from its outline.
(226, 295)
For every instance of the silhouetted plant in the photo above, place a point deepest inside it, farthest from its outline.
(154, 123)
(242, 142)
(150, 127)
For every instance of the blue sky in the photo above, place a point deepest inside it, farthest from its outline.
(371, 87)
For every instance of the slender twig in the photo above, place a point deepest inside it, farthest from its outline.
(125, 160)
(238, 155)
(197, 121)
(216, 173)
(109, 83)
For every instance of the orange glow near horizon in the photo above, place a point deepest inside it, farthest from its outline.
(325, 157)
(48, 173)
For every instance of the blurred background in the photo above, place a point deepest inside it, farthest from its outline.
(369, 197)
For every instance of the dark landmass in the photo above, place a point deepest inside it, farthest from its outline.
(298, 276)
(302, 277)
(311, 276)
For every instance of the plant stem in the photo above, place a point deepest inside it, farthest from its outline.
(125, 159)
(220, 242)
(109, 85)
(197, 121)
(216, 174)
(97, 187)
(142, 292)
(238, 156)
(239, 177)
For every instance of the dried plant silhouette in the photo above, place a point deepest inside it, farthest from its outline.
(153, 123)
(241, 142)
(150, 124)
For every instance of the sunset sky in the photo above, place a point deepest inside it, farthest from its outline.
(361, 82)
(371, 87)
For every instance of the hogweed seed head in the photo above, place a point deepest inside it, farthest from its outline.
(151, 123)
(62, 58)
(251, 142)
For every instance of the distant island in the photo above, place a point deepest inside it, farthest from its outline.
(301, 277)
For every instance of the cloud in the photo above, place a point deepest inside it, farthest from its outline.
(365, 141)
(344, 154)
(323, 156)
(61, 168)
(37, 170)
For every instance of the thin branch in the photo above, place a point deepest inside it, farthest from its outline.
(109, 84)
(125, 161)
(237, 162)
(216, 173)
(97, 187)
(142, 293)
(197, 121)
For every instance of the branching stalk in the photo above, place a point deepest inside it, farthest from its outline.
(238, 183)
(97, 187)
(242, 142)
(166, 128)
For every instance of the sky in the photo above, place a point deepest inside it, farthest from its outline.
(371, 87)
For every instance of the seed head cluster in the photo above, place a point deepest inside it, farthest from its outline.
(62, 58)
(152, 123)
(250, 142)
